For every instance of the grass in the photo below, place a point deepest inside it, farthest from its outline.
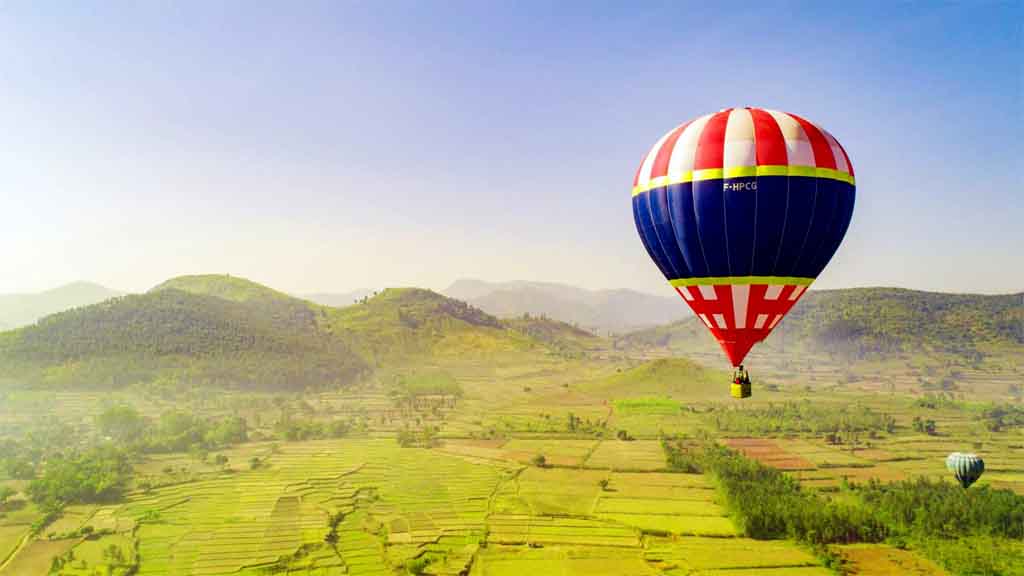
(562, 452)
(36, 557)
(583, 561)
(699, 555)
(10, 537)
(880, 560)
(647, 405)
(475, 503)
(644, 455)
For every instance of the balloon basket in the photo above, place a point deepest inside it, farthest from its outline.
(740, 390)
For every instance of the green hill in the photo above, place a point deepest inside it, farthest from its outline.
(22, 309)
(258, 342)
(876, 323)
(561, 337)
(224, 286)
(401, 324)
(230, 331)
(678, 378)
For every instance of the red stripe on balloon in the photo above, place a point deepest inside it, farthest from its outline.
(660, 167)
(711, 145)
(823, 157)
(768, 139)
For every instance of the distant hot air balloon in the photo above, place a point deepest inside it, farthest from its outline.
(966, 468)
(741, 210)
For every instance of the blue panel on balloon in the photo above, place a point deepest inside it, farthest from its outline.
(740, 198)
(757, 226)
(772, 202)
(684, 224)
(709, 206)
(660, 214)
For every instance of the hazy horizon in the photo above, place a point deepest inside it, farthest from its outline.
(443, 288)
(336, 147)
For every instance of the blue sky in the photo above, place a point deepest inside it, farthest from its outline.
(337, 145)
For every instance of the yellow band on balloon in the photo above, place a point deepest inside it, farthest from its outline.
(745, 172)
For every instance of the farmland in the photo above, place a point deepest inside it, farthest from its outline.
(476, 448)
(369, 506)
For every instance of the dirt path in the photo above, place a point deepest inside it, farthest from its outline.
(14, 553)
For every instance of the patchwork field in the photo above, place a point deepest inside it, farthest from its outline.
(877, 560)
(476, 502)
(731, 556)
(770, 453)
(645, 455)
(368, 507)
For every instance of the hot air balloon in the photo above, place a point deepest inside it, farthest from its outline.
(966, 468)
(741, 210)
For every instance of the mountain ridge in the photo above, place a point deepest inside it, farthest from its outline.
(601, 311)
(864, 323)
(230, 331)
(26, 308)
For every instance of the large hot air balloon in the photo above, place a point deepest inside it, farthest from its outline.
(741, 210)
(966, 468)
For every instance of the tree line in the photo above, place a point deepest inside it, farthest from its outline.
(941, 518)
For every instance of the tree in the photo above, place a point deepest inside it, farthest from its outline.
(572, 422)
(603, 483)
(113, 554)
(95, 476)
(406, 438)
(234, 430)
(122, 423)
(540, 461)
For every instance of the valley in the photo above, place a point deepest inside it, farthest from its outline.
(414, 434)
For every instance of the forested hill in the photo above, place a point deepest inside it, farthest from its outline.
(177, 334)
(400, 324)
(860, 323)
(230, 331)
(226, 287)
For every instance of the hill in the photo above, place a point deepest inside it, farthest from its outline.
(224, 286)
(402, 324)
(601, 311)
(250, 337)
(230, 331)
(22, 309)
(677, 378)
(560, 336)
(338, 299)
(876, 323)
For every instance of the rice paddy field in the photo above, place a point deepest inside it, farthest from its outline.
(476, 503)
(370, 507)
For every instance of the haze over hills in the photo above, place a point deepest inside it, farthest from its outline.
(224, 330)
(21, 309)
(189, 336)
(876, 323)
(229, 330)
(337, 299)
(601, 311)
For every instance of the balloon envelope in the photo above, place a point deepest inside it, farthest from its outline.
(741, 210)
(966, 468)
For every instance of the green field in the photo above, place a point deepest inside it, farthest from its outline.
(430, 462)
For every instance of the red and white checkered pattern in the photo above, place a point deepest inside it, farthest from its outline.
(740, 315)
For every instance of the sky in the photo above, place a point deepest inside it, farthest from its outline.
(325, 147)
